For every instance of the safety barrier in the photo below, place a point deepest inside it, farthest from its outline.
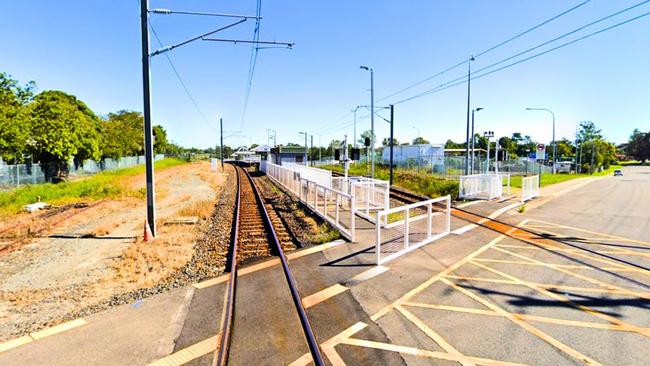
(402, 229)
(369, 194)
(505, 182)
(334, 206)
(288, 178)
(485, 186)
(529, 187)
(320, 176)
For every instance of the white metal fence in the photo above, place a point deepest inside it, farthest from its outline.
(320, 176)
(334, 206)
(485, 186)
(529, 187)
(402, 229)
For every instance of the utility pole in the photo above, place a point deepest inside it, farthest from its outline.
(469, 68)
(472, 136)
(311, 148)
(392, 124)
(320, 152)
(148, 132)
(304, 133)
(221, 127)
(372, 120)
(488, 134)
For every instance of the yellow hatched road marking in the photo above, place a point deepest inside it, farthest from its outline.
(531, 329)
(435, 278)
(552, 286)
(557, 249)
(189, 353)
(434, 336)
(586, 309)
(620, 238)
(541, 319)
(577, 275)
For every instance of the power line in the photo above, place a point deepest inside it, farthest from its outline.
(180, 80)
(486, 51)
(252, 62)
(452, 83)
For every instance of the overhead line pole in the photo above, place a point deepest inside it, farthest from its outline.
(221, 125)
(148, 131)
(469, 72)
(392, 123)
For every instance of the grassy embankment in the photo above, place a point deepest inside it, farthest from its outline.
(549, 179)
(428, 184)
(106, 184)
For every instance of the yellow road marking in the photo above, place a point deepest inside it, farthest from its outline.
(189, 353)
(322, 295)
(435, 278)
(425, 353)
(58, 329)
(328, 346)
(434, 336)
(577, 275)
(531, 329)
(16, 342)
(563, 299)
(304, 360)
(557, 249)
(594, 232)
(542, 319)
(366, 275)
(553, 286)
(267, 264)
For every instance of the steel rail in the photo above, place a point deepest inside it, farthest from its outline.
(297, 301)
(221, 358)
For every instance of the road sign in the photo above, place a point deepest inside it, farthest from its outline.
(540, 153)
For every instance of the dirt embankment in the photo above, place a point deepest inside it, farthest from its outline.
(79, 260)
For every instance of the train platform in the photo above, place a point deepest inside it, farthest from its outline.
(498, 293)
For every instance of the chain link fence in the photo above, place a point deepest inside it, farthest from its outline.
(12, 176)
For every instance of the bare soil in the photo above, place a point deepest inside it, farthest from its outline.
(74, 261)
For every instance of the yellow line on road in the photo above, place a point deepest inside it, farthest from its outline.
(322, 295)
(189, 353)
(531, 329)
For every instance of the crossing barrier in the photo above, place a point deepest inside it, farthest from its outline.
(529, 187)
(482, 186)
(402, 229)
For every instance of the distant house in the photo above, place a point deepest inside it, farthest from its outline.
(290, 154)
(421, 154)
(263, 151)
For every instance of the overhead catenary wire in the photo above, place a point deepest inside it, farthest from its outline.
(452, 84)
(490, 49)
(600, 20)
(252, 63)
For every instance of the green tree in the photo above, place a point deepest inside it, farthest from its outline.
(364, 134)
(419, 141)
(14, 118)
(565, 149)
(62, 128)
(123, 134)
(588, 132)
(638, 145)
(453, 145)
(160, 140)
(386, 141)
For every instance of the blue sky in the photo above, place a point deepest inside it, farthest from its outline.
(92, 50)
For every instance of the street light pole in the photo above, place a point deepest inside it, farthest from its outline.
(469, 69)
(554, 144)
(392, 123)
(148, 132)
(372, 119)
(473, 151)
(305, 133)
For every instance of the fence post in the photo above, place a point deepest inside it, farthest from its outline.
(378, 239)
(406, 230)
(338, 200)
(448, 214)
(352, 218)
(429, 220)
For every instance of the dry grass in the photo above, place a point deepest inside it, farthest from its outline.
(200, 209)
(144, 264)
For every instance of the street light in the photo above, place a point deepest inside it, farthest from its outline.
(305, 133)
(554, 144)
(469, 72)
(473, 151)
(372, 119)
(418, 131)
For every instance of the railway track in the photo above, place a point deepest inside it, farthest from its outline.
(257, 231)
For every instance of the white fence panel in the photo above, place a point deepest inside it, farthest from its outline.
(529, 187)
(335, 207)
(402, 229)
(290, 179)
(320, 176)
(486, 186)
